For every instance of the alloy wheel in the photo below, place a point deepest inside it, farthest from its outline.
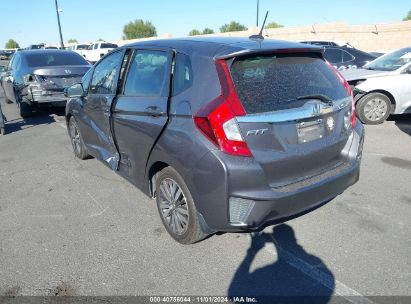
(375, 109)
(173, 206)
(75, 138)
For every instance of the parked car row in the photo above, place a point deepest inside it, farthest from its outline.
(93, 52)
(39, 77)
(6, 54)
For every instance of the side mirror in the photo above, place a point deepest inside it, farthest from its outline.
(76, 90)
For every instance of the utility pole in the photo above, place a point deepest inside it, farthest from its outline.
(58, 21)
(258, 10)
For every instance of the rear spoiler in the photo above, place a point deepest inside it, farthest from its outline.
(245, 53)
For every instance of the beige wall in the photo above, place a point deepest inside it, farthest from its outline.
(371, 37)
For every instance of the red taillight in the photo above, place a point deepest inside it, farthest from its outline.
(349, 92)
(217, 119)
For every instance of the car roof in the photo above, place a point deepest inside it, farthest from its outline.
(44, 51)
(223, 45)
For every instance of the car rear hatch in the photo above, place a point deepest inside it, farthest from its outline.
(298, 113)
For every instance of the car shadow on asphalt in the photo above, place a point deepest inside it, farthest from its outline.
(403, 122)
(295, 277)
(39, 117)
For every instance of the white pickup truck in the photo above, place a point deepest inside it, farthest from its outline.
(98, 50)
(79, 48)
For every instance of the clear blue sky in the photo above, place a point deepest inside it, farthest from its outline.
(34, 21)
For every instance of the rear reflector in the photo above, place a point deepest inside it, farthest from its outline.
(239, 209)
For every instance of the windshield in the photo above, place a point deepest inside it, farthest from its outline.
(54, 59)
(391, 61)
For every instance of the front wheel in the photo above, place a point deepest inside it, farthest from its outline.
(177, 209)
(76, 140)
(373, 108)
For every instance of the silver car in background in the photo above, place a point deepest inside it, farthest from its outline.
(382, 87)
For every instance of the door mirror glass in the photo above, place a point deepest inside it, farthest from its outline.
(76, 90)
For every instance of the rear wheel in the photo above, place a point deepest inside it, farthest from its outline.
(24, 109)
(177, 209)
(76, 140)
(373, 108)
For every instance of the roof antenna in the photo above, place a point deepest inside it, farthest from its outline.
(260, 36)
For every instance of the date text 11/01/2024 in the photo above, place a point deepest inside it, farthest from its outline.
(202, 299)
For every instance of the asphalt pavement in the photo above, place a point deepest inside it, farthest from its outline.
(72, 227)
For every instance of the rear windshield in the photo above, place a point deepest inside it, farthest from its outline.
(54, 59)
(108, 46)
(271, 83)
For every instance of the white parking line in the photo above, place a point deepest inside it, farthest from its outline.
(339, 288)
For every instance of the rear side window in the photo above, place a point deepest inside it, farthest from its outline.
(183, 74)
(108, 46)
(270, 83)
(347, 56)
(333, 55)
(147, 74)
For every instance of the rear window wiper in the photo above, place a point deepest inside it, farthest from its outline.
(323, 98)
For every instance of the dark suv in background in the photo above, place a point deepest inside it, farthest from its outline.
(228, 134)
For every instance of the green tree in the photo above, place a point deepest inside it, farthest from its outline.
(139, 29)
(207, 31)
(408, 17)
(11, 44)
(100, 39)
(273, 25)
(72, 40)
(233, 26)
(194, 32)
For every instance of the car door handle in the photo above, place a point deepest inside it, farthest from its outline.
(154, 111)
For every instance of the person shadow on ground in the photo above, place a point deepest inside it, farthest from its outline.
(293, 278)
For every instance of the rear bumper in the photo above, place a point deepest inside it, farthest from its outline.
(233, 195)
(43, 97)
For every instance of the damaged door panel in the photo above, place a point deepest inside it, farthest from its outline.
(140, 112)
(102, 93)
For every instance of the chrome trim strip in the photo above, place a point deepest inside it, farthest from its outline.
(312, 108)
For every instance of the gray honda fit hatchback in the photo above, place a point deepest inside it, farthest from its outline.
(227, 134)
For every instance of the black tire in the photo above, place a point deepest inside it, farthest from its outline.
(192, 231)
(24, 109)
(6, 99)
(76, 140)
(373, 108)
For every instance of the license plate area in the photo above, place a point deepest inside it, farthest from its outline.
(310, 130)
